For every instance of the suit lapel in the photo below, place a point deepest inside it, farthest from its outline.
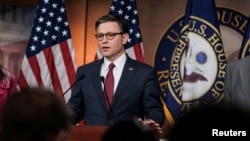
(97, 83)
(127, 73)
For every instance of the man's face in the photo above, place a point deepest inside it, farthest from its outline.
(111, 48)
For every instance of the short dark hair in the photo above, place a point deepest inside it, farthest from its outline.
(34, 114)
(129, 130)
(111, 18)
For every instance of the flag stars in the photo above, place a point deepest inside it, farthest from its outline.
(129, 40)
(46, 1)
(56, 28)
(41, 19)
(120, 12)
(53, 37)
(126, 9)
(59, 19)
(46, 32)
(62, 10)
(126, 17)
(54, 5)
(43, 10)
(129, 8)
(64, 33)
(138, 35)
(48, 23)
(33, 48)
(133, 21)
(43, 42)
(38, 29)
(35, 38)
(66, 23)
(112, 8)
(51, 14)
(122, 2)
(48, 28)
(135, 12)
(131, 30)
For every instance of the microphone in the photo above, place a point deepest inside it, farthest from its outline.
(78, 79)
(105, 92)
(110, 113)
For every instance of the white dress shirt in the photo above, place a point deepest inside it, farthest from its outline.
(117, 71)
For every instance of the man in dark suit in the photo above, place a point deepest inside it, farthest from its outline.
(136, 89)
(237, 88)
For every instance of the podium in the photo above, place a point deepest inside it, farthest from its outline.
(87, 133)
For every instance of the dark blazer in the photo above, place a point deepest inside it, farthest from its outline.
(237, 84)
(137, 95)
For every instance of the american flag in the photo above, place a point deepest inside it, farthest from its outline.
(49, 60)
(127, 10)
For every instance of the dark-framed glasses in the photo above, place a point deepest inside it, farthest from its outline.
(109, 35)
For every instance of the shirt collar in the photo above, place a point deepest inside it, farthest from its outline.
(119, 62)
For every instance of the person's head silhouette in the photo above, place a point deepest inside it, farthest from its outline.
(35, 114)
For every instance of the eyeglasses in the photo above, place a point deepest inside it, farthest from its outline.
(109, 36)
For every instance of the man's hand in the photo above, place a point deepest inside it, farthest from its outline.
(152, 124)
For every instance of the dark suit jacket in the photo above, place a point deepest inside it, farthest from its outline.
(137, 95)
(237, 84)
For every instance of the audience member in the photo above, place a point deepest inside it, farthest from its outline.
(129, 130)
(35, 114)
(212, 123)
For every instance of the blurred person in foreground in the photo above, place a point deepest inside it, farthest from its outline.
(136, 91)
(8, 85)
(129, 130)
(214, 122)
(35, 114)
